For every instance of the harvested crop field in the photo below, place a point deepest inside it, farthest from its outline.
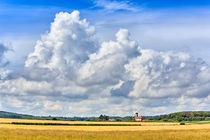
(147, 130)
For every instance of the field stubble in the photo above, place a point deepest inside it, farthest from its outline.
(148, 131)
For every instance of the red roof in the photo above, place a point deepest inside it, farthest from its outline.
(139, 117)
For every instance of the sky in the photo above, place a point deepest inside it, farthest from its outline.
(86, 58)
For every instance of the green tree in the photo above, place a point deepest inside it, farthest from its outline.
(103, 117)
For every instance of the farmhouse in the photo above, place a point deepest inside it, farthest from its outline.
(112, 120)
(138, 118)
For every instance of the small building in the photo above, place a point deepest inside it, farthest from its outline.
(138, 118)
(112, 120)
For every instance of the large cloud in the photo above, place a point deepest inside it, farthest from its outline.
(71, 73)
(168, 74)
(107, 65)
(63, 49)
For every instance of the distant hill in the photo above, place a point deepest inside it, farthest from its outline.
(190, 114)
(177, 116)
(4, 114)
(185, 116)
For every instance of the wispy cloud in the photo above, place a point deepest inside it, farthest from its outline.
(115, 5)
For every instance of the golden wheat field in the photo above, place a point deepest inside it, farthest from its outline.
(147, 131)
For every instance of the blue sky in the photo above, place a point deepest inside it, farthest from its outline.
(173, 37)
(83, 4)
(40, 12)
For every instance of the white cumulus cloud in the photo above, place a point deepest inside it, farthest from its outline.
(70, 72)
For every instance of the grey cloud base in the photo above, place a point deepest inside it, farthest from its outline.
(69, 73)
